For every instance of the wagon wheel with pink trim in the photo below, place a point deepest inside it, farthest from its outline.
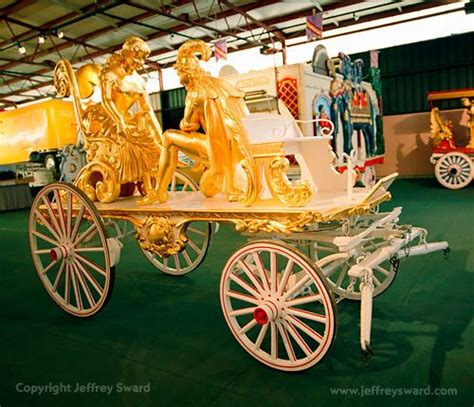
(69, 249)
(278, 306)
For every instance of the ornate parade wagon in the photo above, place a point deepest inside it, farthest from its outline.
(312, 242)
(453, 157)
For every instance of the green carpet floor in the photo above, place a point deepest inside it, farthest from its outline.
(169, 332)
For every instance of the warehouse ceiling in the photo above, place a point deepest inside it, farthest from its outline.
(35, 34)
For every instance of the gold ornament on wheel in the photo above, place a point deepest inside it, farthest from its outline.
(122, 144)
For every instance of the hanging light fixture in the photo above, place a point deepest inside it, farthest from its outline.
(21, 49)
(60, 34)
(41, 39)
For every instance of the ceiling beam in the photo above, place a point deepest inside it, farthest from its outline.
(186, 20)
(53, 23)
(16, 6)
(40, 31)
(278, 34)
(140, 17)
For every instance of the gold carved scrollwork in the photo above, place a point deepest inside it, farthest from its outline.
(288, 194)
(283, 224)
(159, 235)
(99, 182)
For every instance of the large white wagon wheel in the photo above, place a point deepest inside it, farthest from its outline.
(277, 305)
(336, 271)
(454, 170)
(69, 249)
(198, 233)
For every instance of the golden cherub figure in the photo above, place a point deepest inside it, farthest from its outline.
(222, 147)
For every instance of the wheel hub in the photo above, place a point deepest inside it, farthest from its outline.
(453, 171)
(267, 312)
(60, 252)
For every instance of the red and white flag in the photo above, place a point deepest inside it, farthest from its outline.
(314, 26)
(374, 58)
(220, 49)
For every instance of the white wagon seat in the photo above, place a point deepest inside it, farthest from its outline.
(313, 154)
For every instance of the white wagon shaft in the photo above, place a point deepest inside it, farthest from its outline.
(278, 302)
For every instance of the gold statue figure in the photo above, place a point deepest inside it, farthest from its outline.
(469, 105)
(222, 147)
(123, 147)
(441, 129)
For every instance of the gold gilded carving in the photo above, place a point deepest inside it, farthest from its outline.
(440, 129)
(288, 194)
(279, 224)
(217, 108)
(123, 147)
(159, 235)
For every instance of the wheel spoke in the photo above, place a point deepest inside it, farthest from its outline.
(249, 273)
(59, 207)
(187, 258)
(59, 275)
(45, 238)
(47, 224)
(341, 276)
(90, 264)
(273, 272)
(89, 277)
(330, 269)
(89, 249)
(298, 339)
(261, 335)
(242, 311)
(261, 270)
(68, 213)
(90, 232)
(244, 285)
(75, 287)
(196, 231)
(286, 342)
(50, 265)
(274, 341)
(52, 215)
(242, 297)
(42, 251)
(194, 247)
(303, 281)
(85, 287)
(173, 184)
(285, 276)
(247, 327)
(381, 270)
(78, 222)
(303, 300)
(66, 285)
(306, 329)
(307, 315)
(177, 263)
